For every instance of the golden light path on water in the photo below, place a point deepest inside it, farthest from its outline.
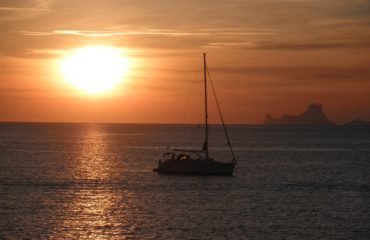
(96, 206)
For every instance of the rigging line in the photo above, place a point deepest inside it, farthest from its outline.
(219, 111)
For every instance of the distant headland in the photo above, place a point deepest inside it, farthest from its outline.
(358, 122)
(314, 115)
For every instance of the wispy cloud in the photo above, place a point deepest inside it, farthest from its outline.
(13, 9)
(292, 46)
(311, 45)
(44, 53)
(151, 31)
(17, 10)
(22, 90)
(230, 45)
(291, 75)
(94, 34)
(72, 32)
(342, 22)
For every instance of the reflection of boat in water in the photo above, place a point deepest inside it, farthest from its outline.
(197, 162)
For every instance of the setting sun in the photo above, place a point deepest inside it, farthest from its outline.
(94, 69)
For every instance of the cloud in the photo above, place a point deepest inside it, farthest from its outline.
(95, 34)
(287, 25)
(153, 32)
(313, 45)
(18, 10)
(292, 46)
(73, 33)
(294, 76)
(12, 9)
(23, 90)
(33, 42)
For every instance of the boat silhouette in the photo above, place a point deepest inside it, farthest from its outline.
(198, 162)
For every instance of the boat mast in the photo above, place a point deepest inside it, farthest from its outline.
(205, 146)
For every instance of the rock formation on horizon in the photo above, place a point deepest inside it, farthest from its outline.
(358, 122)
(314, 115)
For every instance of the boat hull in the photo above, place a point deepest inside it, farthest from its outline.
(196, 167)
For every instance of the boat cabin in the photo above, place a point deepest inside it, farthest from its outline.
(170, 156)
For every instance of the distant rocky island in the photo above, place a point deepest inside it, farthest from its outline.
(314, 115)
(358, 122)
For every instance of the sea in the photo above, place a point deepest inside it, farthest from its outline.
(95, 181)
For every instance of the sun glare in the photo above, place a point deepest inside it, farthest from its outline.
(95, 69)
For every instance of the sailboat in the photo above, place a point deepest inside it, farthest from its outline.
(198, 162)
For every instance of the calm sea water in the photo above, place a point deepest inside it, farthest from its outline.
(95, 181)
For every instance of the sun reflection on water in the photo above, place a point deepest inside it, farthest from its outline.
(92, 162)
(97, 206)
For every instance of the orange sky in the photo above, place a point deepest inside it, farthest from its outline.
(265, 57)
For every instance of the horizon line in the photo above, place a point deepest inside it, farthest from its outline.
(167, 123)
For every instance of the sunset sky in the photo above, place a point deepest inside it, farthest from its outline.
(265, 56)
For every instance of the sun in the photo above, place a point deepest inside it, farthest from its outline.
(95, 69)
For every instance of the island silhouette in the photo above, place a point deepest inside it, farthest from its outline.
(358, 122)
(314, 115)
